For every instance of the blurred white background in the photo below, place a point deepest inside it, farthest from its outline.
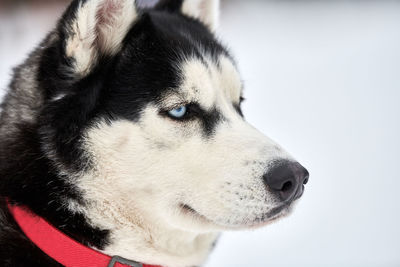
(323, 79)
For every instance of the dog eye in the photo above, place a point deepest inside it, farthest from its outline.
(178, 112)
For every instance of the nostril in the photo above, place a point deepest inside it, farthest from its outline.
(287, 187)
(286, 179)
(305, 175)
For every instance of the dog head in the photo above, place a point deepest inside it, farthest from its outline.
(143, 106)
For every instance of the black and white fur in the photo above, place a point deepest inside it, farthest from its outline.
(86, 141)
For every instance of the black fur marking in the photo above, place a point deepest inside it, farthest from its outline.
(169, 5)
(147, 66)
(209, 121)
(238, 109)
(29, 179)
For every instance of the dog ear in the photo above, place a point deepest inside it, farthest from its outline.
(95, 28)
(206, 11)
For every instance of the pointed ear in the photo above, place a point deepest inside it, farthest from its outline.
(207, 11)
(93, 28)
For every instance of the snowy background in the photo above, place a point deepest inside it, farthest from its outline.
(323, 79)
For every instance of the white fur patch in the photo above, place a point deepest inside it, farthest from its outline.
(207, 83)
(58, 97)
(128, 179)
(80, 46)
(207, 11)
(115, 18)
(230, 81)
(99, 28)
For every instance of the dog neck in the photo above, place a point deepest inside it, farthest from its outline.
(147, 240)
(58, 246)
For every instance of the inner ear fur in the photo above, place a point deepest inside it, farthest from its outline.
(94, 28)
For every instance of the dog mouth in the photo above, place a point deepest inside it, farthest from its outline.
(271, 216)
(189, 211)
(277, 210)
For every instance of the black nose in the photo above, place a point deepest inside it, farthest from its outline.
(287, 179)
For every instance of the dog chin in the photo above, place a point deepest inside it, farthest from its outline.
(271, 216)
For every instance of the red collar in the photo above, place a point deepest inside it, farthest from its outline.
(62, 248)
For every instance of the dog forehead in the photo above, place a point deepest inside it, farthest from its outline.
(206, 80)
(230, 80)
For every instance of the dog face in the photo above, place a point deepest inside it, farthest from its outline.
(163, 137)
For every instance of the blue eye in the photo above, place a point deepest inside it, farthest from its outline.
(178, 112)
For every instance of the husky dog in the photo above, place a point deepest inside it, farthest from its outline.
(123, 130)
